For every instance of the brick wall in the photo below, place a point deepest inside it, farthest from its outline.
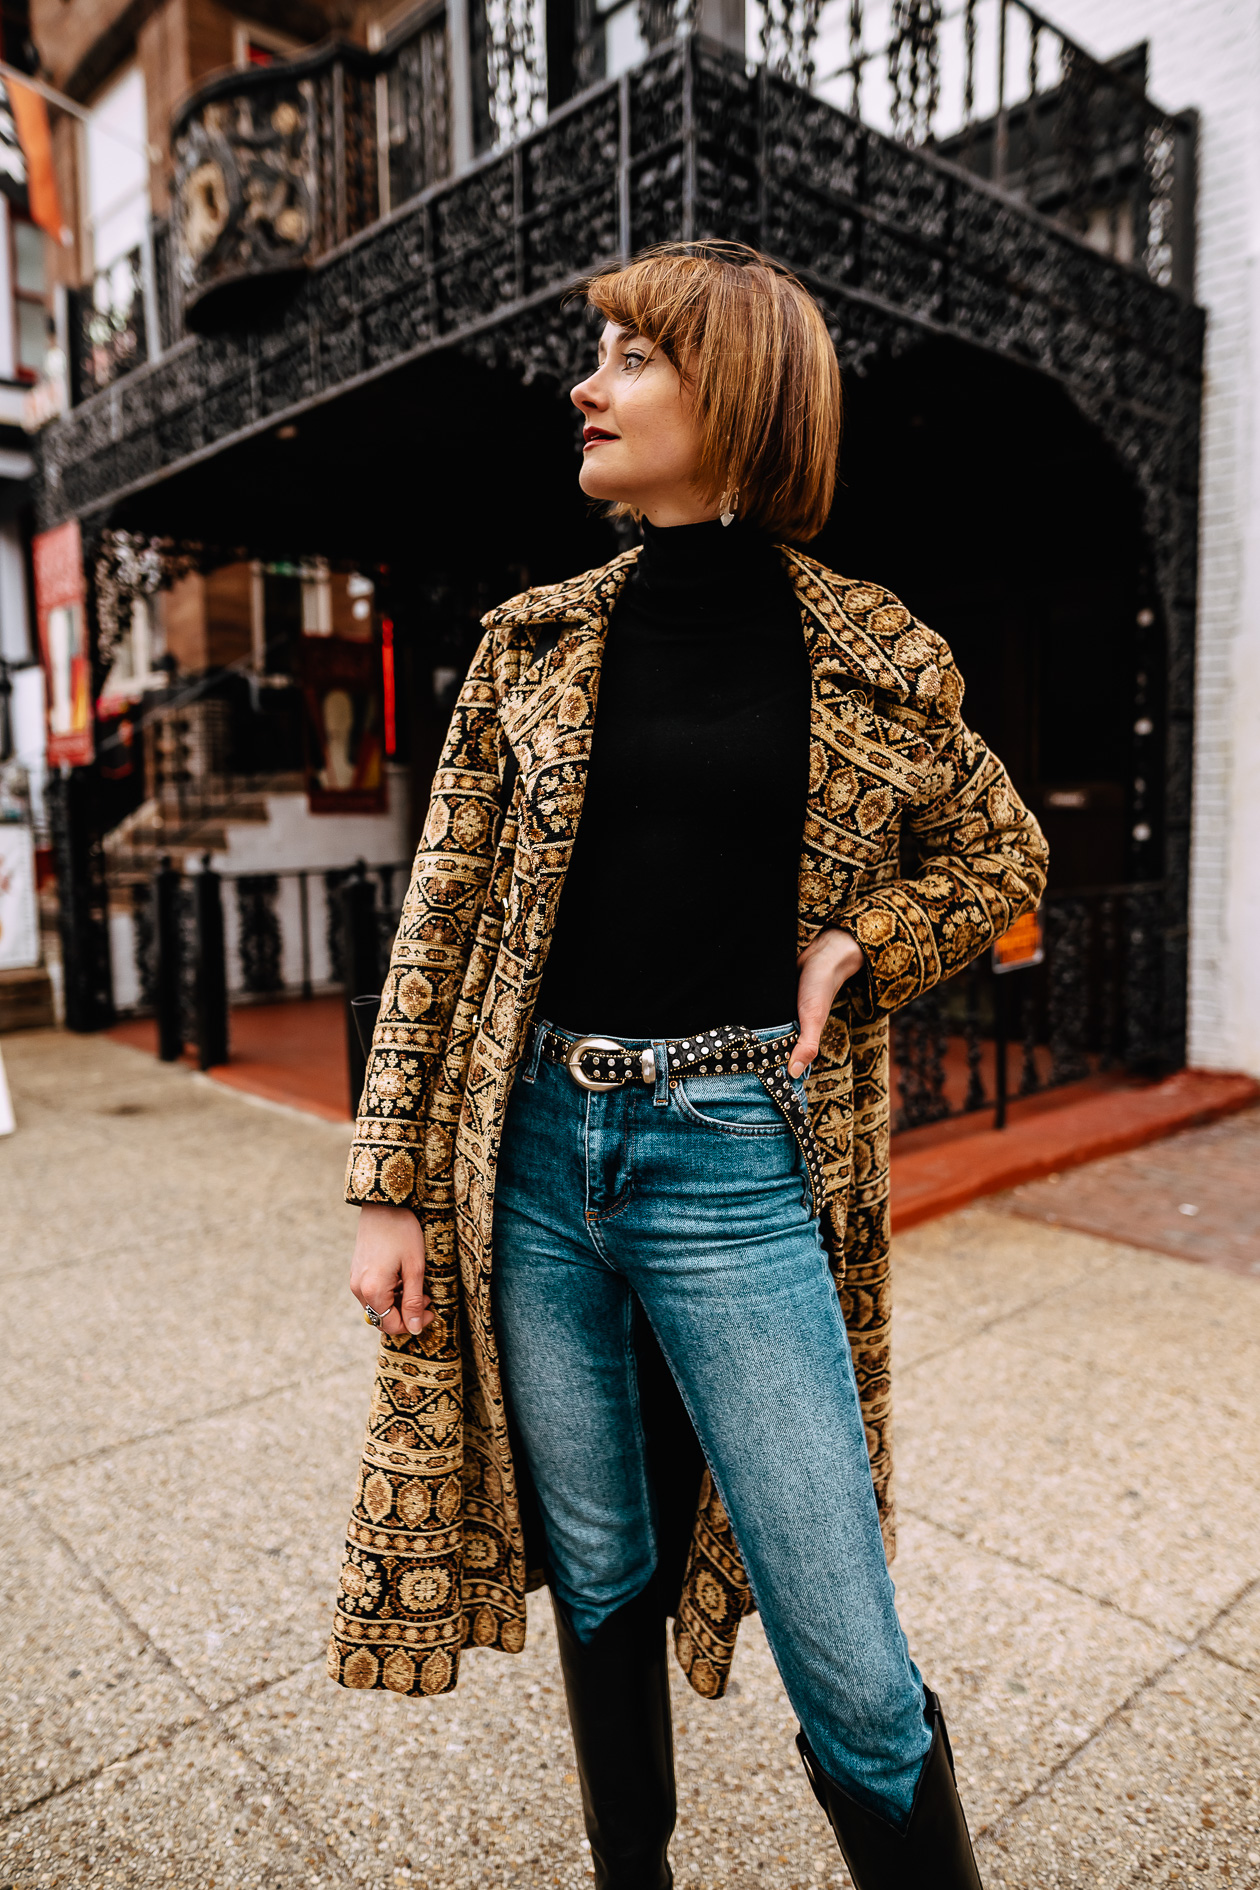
(1206, 54)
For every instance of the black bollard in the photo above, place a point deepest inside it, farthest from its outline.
(212, 993)
(361, 955)
(169, 943)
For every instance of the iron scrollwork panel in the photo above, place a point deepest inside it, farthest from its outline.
(108, 330)
(418, 109)
(258, 932)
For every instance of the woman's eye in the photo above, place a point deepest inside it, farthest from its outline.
(634, 360)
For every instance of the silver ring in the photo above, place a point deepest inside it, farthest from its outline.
(373, 1318)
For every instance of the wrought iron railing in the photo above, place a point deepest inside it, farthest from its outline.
(996, 87)
(109, 332)
(282, 934)
(276, 165)
(414, 109)
(1091, 1006)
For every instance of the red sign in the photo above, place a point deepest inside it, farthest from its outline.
(1021, 946)
(61, 609)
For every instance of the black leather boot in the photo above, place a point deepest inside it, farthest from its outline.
(933, 1852)
(617, 1686)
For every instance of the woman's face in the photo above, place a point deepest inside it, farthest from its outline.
(641, 445)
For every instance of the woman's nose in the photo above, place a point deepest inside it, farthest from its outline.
(586, 397)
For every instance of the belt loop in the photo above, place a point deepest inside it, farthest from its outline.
(660, 1096)
(535, 1052)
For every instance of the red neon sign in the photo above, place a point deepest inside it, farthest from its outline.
(387, 679)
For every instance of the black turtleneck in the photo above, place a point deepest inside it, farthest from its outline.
(679, 909)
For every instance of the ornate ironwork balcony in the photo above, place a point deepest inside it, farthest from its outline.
(273, 167)
(276, 166)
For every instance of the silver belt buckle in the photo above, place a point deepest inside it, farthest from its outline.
(578, 1074)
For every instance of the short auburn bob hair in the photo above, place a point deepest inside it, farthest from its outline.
(751, 346)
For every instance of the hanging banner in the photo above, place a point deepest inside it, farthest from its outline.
(19, 914)
(61, 610)
(29, 113)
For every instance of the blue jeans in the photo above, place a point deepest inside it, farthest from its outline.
(690, 1197)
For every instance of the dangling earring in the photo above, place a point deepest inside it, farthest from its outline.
(727, 504)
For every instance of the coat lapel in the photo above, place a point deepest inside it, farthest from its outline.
(870, 668)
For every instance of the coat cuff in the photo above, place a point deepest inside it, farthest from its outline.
(894, 969)
(385, 1165)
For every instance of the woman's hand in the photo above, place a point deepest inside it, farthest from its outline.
(388, 1268)
(827, 962)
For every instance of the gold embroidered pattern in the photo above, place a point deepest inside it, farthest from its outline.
(434, 1553)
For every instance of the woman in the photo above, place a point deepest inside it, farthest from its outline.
(642, 1062)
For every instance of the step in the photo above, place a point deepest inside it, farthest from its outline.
(26, 999)
(931, 1181)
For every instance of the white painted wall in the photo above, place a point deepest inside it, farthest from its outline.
(1206, 54)
(293, 839)
(29, 736)
(15, 616)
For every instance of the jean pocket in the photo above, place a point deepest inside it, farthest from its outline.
(737, 1105)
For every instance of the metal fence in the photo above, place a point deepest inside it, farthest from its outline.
(1090, 1007)
(109, 325)
(282, 932)
(195, 946)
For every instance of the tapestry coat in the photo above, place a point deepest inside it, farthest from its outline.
(435, 1554)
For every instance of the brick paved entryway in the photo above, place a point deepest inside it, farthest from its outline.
(1195, 1195)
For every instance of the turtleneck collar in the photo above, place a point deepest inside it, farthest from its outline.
(705, 570)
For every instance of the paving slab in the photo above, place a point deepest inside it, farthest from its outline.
(479, 1788)
(163, 1341)
(192, 1247)
(222, 1539)
(1026, 1669)
(80, 1685)
(1151, 1504)
(115, 1152)
(194, 1811)
(1168, 1793)
(957, 1276)
(1236, 1634)
(1162, 1325)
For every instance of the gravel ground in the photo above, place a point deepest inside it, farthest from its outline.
(1079, 1569)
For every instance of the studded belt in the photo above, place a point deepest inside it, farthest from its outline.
(602, 1063)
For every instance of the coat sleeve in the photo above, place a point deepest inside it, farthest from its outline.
(981, 862)
(432, 949)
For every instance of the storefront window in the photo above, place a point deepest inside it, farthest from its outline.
(30, 298)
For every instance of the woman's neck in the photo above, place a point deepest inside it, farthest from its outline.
(708, 566)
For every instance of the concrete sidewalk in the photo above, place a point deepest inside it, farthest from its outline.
(184, 1386)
